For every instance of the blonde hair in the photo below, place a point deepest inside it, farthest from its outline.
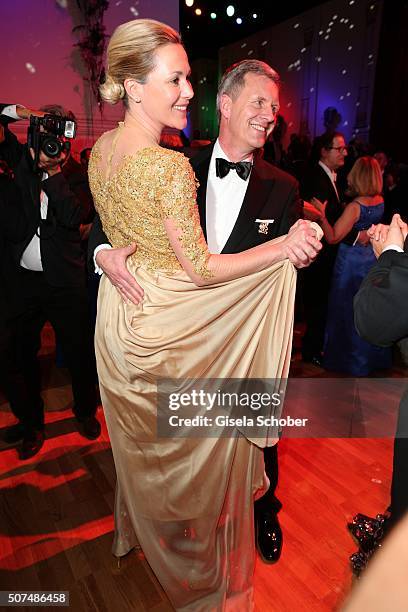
(130, 54)
(365, 177)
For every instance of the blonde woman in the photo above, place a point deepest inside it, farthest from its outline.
(188, 501)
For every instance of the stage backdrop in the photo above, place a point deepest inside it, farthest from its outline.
(40, 65)
(326, 57)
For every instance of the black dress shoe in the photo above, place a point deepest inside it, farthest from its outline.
(90, 428)
(268, 535)
(14, 433)
(31, 445)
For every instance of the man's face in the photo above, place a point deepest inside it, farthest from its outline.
(334, 156)
(250, 117)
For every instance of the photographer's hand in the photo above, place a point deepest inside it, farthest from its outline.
(25, 113)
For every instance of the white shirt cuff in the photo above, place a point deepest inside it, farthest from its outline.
(11, 111)
(100, 247)
(393, 247)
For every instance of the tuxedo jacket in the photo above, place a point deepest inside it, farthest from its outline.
(61, 256)
(380, 305)
(271, 194)
(316, 183)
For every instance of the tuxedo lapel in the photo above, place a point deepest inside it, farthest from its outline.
(256, 195)
(201, 167)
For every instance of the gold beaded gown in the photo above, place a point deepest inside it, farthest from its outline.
(187, 501)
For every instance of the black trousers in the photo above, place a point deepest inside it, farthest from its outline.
(66, 308)
(11, 380)
(269, 501)
(316, 288)
(399, 484)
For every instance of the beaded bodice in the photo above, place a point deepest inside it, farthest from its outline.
(147, 187)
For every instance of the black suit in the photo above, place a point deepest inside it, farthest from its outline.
(381, 317)
(58, 292)
(317, 277)
(271, 194)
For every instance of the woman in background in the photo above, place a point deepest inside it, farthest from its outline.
(344, 350)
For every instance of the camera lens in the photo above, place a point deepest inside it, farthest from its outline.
(51, 146)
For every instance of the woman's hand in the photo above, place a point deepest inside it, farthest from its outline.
(320, 206)
(310, 212)
(302, 244)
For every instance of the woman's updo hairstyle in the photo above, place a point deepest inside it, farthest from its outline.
(130, 54)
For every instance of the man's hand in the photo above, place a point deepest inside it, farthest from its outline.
(25, 113)
(302, 243)
(113, 263)
(386, 235)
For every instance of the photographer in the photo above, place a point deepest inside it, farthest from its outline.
(48, 279)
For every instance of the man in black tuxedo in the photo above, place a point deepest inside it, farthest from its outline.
(243, 201)
(319, 181)
(48, 283)
(381, 317)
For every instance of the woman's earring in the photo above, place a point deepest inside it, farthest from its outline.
(137, 100)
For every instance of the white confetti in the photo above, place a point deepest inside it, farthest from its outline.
(376, 480)
(134, 10)
(303, 49)
(318, 59)
(345, 122)
(348, 94)
(344, 71)
(250, 52)
(296, 25)
(243, 45)
(311, 89)
(30, 67)
(263, 43)
(289, 104)
(349, 48)
(290, 124)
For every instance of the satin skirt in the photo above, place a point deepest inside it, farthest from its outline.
(189, 501)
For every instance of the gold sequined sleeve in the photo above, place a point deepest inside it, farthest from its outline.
(178, 203)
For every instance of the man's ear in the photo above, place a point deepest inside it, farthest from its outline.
(225, 106)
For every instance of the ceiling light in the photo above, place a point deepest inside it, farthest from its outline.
(230, 10)
(189, 2)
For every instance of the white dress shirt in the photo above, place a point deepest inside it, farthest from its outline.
(332, 176)
(224, 200)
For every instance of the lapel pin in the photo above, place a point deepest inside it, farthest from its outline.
(264, 225)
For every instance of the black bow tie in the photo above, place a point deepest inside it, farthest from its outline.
(223, 166)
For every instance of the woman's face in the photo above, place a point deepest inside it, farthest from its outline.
(166, 94)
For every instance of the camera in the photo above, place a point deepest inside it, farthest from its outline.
(48, 134)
